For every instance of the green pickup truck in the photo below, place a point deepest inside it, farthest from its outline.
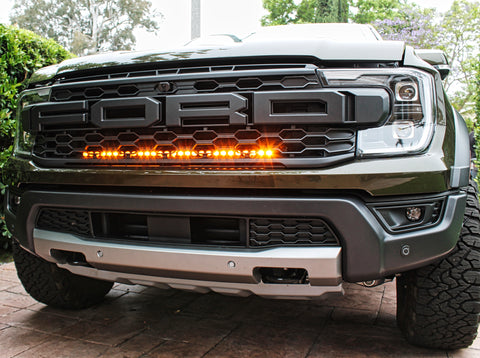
(282, 165)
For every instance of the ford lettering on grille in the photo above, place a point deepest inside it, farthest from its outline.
(227, 109)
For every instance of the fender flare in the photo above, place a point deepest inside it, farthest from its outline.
(460, 170)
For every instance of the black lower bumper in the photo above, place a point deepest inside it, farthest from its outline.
(370, 250)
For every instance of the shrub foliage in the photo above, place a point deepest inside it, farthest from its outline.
(21, 53)
(477, 94)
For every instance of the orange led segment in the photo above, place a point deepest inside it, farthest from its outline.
(148, 154)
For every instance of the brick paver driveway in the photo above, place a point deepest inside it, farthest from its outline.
(135, 321)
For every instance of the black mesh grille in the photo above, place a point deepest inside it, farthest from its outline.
(63, 220)
(288, 142)
(136, 115)
(157, 229)
(155, 87)
(281, 232)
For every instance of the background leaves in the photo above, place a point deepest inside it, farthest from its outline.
(21, 53)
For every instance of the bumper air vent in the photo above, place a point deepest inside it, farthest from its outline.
(155, 229)
(285, 232)
(62, 220)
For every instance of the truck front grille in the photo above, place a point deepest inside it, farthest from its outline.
(182, 117)
(291, 146)
(160, 229)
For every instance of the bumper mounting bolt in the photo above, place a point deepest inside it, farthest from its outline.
(100, 253)
(231, 264)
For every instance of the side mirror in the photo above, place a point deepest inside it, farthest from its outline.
(437, 59)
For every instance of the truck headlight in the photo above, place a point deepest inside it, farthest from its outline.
(23, 139)
(409, 128)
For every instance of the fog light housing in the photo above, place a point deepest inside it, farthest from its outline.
(414, 213)
(400, 217)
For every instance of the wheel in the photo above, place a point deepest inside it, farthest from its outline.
(438, 305)
(54, 286)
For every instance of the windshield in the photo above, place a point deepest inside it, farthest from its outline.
(336, 32)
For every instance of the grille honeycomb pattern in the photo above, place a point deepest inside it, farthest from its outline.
(88, 91)
(286, 141)
(62, 220)
(282, 232)
(262, 232)
(292, 145)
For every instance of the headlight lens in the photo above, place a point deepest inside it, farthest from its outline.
(410, 128)
(24, 140)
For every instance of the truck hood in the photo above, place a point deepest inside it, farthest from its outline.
(323, 50)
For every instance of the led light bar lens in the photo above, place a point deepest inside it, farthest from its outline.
(187, 154)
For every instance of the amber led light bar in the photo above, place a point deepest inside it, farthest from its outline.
(225, 153)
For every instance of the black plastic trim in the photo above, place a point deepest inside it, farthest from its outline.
(36, 116)
(202, 108)
(150, 112)
(423, 223)
(460, 171)
(356, 106)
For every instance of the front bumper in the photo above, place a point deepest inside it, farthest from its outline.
(368, 250)
(227, 271)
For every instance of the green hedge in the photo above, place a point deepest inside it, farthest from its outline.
(21, 53)
(477, 95)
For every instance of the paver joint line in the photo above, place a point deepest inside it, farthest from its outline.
(231, 318)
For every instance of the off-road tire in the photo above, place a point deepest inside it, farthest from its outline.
(54, 286)
(438, 305)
